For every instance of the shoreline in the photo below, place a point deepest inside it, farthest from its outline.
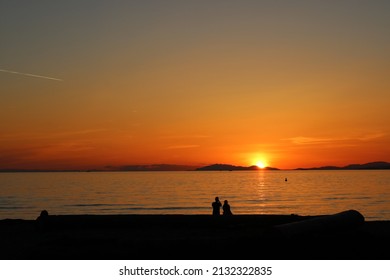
(99, 237)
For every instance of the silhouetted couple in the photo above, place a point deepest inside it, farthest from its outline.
(217, 207)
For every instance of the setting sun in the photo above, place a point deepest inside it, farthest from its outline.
(261, 164)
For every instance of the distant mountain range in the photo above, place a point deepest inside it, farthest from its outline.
(153, 167)
(365, 166)
(228, 167)
(378, 165)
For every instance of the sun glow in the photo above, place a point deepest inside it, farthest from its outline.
(261, 164)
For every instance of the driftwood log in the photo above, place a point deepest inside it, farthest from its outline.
(327, 224)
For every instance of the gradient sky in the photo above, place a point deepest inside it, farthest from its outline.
(86, 84)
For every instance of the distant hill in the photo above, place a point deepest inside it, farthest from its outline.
(155, 167)
(370, 165)
(228, 167)
(377, 165)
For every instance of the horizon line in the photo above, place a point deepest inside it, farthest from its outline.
(195, 167)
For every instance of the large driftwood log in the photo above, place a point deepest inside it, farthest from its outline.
(346, 220)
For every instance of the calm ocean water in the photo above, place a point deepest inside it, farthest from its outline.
(24, 195)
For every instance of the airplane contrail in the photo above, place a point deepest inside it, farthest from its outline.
(30, 75)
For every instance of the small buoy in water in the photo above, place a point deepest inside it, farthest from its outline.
(285, 179)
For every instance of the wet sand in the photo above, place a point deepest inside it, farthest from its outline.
(148, 237)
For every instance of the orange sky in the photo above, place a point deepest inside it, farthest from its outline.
(194, 83)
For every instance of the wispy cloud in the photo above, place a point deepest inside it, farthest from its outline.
(310, 140)
(66, 147)
(182, 147)
(31, 75)
(79, 132)
(300, 140)
(194, 136)
(372, 136)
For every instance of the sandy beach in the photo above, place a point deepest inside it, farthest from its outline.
(78, 237)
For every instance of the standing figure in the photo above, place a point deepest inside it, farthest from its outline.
(226, 208)
(216, 206)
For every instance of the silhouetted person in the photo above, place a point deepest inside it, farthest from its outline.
(216, 206)
(44, 214)
(42, 219)
(226, 208)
